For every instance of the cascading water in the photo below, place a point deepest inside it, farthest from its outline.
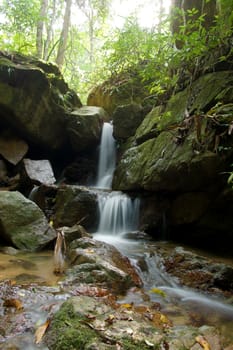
(107, 158)
(118, 212)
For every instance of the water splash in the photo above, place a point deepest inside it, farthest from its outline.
(107, 158)
(118, 213)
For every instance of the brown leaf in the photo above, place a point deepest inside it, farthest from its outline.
(16, 303)
(41, 331)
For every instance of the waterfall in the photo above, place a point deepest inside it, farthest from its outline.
(107, 157)
(118, 213)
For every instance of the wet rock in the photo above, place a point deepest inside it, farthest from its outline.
(38, 171)
(22, 223)
(75, 203)
(199, 272)
(101, 264)
(74, 232)
(126, 119)
(84, 322)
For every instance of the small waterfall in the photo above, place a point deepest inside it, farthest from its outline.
(118, 213)
(107, 157)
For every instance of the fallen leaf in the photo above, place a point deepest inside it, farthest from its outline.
(158, 291)
(41, 331)
(127, 306)
(16, 303)
(203, 342)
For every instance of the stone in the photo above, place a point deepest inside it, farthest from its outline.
(84, 126)
(35, 100)
(74, 204)
(126, 119)
(22, 223)
(39, 171)
(12, 148)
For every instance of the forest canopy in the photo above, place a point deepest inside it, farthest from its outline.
(84, 39)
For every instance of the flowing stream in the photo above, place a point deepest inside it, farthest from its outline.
(118, 220)
(118, 224)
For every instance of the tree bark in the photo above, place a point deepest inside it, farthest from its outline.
(64, 35)
(40, 27)
(49, 31)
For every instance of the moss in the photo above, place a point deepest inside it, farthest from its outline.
(68, 331)
(128, 345)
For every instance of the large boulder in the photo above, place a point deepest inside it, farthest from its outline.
(22, 223)
(34, 100)
(100, 264)
(126, 119)
(186, 146)
(84, 127)
(75, 204)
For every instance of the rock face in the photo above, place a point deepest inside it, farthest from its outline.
(184, 150)
(126, 119)
(98, 263)
(85, 126)
(75, 203)
(39, 171)
(22, 223)
(34, 99)
(38, 105)
(181, 143)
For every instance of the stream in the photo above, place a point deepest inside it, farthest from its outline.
(29, 277)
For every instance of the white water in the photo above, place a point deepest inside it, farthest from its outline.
(107, 158)
(118, 213)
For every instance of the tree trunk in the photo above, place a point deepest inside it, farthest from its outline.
(64, 35)
(40, 27)
(49, 31)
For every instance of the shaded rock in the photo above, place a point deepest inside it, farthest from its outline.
(153, 215)
(126, 119)
(81, 171)
(39, 171)
(12, 148)
(189, 207)
(34, 100)
(22, 223)
(101, 264)
(181, 142)
(75, 203)
(84, 127)
(155, 164)
(3, 171)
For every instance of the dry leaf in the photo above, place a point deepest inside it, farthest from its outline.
(127, 306)
(158, 291)
(41, 331)
(16, 303)
(203, 342)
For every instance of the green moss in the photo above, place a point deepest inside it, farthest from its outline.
(68, 331)
(128, 345)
